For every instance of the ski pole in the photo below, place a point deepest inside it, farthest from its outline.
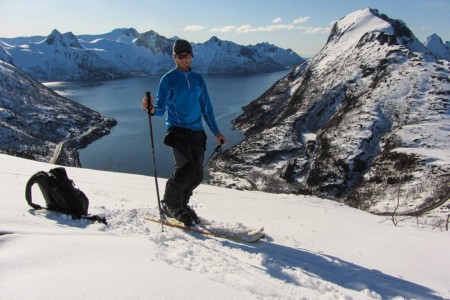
(149, 108)
(215, 150)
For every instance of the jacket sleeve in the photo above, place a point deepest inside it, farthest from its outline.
(161, 97)
(208, 111)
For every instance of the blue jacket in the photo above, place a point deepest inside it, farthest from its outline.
(185, 97)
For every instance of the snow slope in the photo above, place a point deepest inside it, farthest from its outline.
(316, 249)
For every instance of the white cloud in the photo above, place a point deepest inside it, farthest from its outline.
(312, 30)
(225, 29)
(275, 26)
(277, 20)
(301, 20)
(193, 28)
(246, 28)
(279, 27)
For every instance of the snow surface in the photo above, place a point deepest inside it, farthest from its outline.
(315, 249)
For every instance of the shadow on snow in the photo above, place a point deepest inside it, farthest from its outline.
(281, 262)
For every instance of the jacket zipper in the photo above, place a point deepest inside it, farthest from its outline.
(189, 84)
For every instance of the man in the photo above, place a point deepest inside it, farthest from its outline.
(183, 94)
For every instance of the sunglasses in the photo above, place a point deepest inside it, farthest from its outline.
(183, 56)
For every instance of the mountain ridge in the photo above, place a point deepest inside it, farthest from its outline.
(365, 121)
(34, 120)
(126, 53)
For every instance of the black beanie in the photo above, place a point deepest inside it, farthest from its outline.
(182, 46)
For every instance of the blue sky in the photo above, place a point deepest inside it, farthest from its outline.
(302, 25)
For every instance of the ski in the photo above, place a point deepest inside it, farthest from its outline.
(248, 236)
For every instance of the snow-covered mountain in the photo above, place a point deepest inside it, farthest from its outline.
(3, 54)
(315, 248)
(123, 35)
(125, 53)
(60, 57)
(365, 121)
(437, 47)
(217, 56)
(34, 120)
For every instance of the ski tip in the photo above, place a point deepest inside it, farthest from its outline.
(256, 231)
(254, 238)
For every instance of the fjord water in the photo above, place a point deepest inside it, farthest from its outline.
(127, 148)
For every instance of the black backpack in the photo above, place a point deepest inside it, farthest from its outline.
(60, 194)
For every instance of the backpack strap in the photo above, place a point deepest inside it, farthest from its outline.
(30, 183)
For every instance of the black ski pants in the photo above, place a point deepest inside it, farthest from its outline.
(188, 149)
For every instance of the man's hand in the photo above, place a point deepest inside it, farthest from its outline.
(221, 139)
(145, 105)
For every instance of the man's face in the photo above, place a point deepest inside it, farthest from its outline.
(183, 61)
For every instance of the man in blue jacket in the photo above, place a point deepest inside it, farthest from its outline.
(183, 94)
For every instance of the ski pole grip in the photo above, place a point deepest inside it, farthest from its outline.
(147, 96)
(149, 102)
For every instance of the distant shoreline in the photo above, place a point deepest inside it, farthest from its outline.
(66, 152)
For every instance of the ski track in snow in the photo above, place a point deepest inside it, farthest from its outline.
(288, 272)
(241, 266)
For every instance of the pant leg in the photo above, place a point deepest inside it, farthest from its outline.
(181, 178)
(188, 151)
(198, 155)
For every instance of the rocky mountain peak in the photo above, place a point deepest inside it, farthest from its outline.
(368, 24)
(127, 32)
(357, 117)
(435, 44)
(67, 39)
(154, 42)
(214, 40)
